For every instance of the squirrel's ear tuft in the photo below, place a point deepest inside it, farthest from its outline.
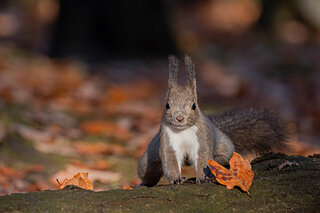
(173, 70)
(190, 70)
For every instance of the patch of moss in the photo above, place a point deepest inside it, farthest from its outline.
(291, 189)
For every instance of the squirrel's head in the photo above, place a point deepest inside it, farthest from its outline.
(181, 109)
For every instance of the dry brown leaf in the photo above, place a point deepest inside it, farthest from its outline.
(117, 94)
(34, 168)
(11, 172)
(12, 180)
(46, 141)
(105, 128)
(104, 177)
(80, 179)
(97, 164)
(240, 173)
(134, 108)
(91, 148)
(99, 148)
(67, 102)
(124, 93)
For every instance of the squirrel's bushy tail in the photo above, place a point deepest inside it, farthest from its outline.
(253, 131)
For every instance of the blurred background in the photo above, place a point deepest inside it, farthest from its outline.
(82, 84)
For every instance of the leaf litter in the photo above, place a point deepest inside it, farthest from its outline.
(74, 119)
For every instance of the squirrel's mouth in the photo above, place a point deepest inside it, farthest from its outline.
(179, 126)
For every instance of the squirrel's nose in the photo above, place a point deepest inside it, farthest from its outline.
(180, 118)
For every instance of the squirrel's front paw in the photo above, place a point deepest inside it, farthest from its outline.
(179, 181)
(204, 180)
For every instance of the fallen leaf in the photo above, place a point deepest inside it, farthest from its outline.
(91, 148)
(117, 94)
(123, 93)
(45, 140)
(99, 148)
(240, 173)
(34, 168)
(127, 187)
(11, 172)
(12, 180)
(105, 128)
(32, 134)
(104, 177)
(80, 179)
(96, 165)
(133, 108)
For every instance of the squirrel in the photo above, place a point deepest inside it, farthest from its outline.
(188, 137)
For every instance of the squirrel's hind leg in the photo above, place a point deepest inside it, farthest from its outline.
(150, 165)
(149, 171)
(223, 149)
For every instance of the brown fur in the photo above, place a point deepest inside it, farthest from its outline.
(150, 166)
(253, 131)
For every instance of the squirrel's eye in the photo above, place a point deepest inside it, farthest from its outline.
(167, 106)
(194, 106)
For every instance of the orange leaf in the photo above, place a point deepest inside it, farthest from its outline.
(105, 128)
(80, 179)
(127, 187)
(240, 173)
(100, 148)
(91, 148)
(96, 165)
(11, 172)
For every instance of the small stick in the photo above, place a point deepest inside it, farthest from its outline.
(248, 194)
(288, 163)
(58, 181)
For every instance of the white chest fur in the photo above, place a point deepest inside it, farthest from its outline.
(184, 143)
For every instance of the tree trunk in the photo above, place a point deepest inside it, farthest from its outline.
(293, 188)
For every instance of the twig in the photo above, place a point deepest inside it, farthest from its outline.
(288, 163)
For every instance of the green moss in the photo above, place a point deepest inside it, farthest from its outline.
(127, 167)
(24, 154)
(293, 188)
(12, 113)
